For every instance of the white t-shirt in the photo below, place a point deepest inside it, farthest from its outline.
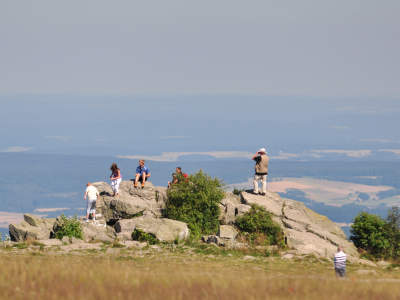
(92, 192)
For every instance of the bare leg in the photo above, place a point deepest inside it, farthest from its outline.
(143, 179)
(136, 179)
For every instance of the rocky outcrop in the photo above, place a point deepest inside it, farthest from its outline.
(165, 230)
(305, 231)
(132, 202)
(32, 228)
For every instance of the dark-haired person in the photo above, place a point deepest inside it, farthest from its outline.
(115, 178)
(91, 195)
(177, 176)
(261, 170)
(142, 173)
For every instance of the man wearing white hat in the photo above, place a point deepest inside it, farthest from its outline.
(261, 170)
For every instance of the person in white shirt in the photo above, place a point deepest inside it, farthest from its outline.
(91, 195)
(339, 262)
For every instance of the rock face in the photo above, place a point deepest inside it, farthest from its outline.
(305, 231)
(165, 230)
(32, 228)
(132, 202)
(231, 208)
(92, 232)
(227, 232)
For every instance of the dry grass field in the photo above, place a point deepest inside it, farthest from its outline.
(109, 272)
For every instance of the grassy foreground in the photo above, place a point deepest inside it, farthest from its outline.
(157, 273)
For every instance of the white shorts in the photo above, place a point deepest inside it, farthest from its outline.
(115, 184)
(91, 207)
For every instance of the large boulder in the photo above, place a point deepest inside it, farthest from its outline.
(131, 202)
(95, 232)
(231, 208)
(32, 228)
(305, 231)
(227, 232)
(165, 230)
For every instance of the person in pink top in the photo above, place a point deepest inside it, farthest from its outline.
(115, 178)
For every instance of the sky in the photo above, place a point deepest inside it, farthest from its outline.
(342, 48)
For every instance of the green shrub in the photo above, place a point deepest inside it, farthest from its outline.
(195, 202)
(369, 232)
(258, 227)
(70, 227)
(141, 236)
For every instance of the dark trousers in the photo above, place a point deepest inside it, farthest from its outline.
(340, 272)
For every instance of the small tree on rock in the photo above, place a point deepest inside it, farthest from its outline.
(195, 201)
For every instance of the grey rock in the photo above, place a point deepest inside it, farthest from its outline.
(227, 232)
(66, 240)
(287, 256)
(134, 244)
(51, 242)
(271, 201)
(92, 232)
(163, 229)
(305, 231)
(74, 240)
(231, 208)
(32, 228)
(131, 202)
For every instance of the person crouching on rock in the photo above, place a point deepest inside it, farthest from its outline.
(142, 174)
(178, 176)
(261, 170)
(91, 195)
(115, 178)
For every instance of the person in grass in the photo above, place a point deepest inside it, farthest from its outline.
(142, 174)
(339, 262)
(115, 178)
(178, 176)
(91, 194)
(261, 170)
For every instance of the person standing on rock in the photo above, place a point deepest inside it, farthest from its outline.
(142, 173)
(261, 170)
(115, 178)
(339, 262)
(91, 195)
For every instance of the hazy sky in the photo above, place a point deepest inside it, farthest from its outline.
(309, 48)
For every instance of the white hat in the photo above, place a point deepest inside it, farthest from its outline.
(262, 150)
